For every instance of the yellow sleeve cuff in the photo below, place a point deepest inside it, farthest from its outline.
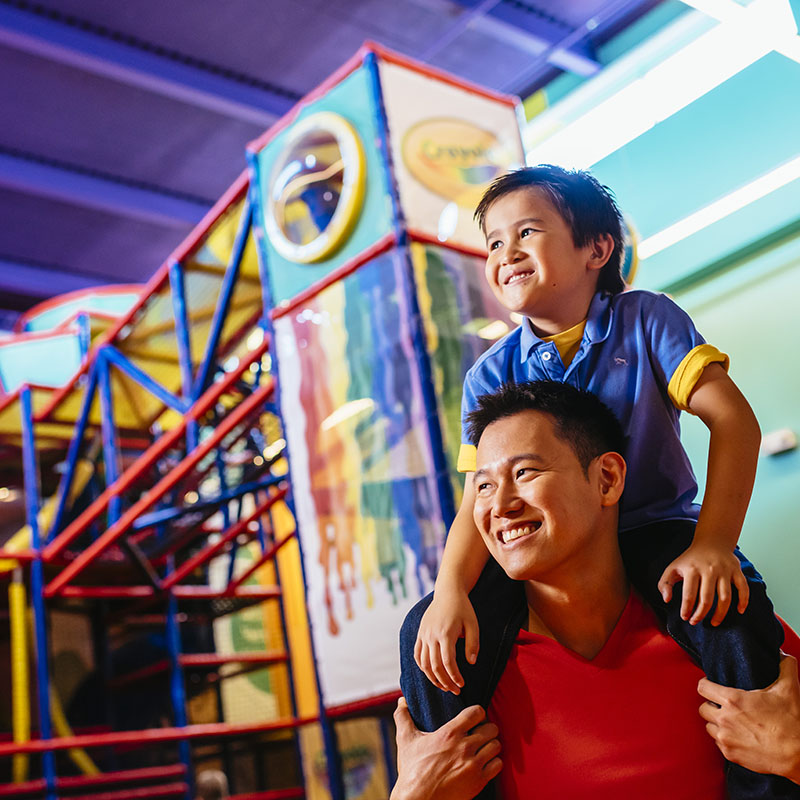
(688, 372)
(467, 458)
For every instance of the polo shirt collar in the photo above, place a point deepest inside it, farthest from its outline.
(598, 326)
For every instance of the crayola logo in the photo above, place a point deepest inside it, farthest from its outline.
(454, 158)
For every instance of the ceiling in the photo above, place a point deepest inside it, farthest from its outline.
(124, 122)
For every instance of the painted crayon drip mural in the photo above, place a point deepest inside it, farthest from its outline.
(348, 371)
(375, 327)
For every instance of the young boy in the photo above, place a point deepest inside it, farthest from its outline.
(554, 248)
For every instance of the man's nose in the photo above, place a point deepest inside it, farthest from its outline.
(507, 503)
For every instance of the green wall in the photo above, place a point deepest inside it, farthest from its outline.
(752, 312)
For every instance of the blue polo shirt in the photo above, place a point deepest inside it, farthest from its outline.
(635, 348)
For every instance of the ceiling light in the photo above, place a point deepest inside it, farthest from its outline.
(720, 209)
(744, 36)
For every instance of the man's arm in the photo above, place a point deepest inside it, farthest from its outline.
(709, 567)
(452, 763)
(759, 729)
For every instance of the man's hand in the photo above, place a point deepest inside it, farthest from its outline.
(758, 729)
(706, 571)
(449, 616)
(452, 763)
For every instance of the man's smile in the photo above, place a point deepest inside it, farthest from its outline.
(509, 534)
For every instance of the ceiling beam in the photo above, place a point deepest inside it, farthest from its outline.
(117, 60)
(534, 34)
(98, 193)
(39, 281)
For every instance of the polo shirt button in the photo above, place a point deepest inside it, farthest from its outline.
(545, 356)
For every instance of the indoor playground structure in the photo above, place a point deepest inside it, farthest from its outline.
(237, 478)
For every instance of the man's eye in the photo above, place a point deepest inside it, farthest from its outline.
(482, 486)
(523, 471)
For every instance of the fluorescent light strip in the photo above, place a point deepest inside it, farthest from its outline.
(710, 60)
(720, 209)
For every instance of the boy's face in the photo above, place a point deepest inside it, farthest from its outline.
(533, 265)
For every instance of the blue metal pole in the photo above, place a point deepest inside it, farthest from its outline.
(223, 304)
(332, 754)
(177, 686)
(110, 449)
(31, 475)
(74, 450)
(84, 334)
(168, 513)
(419, 339)
(144, 380)
(180, 312)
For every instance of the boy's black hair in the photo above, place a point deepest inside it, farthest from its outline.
(588, 207)
(580, 418)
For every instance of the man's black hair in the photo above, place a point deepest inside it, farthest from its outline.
(588, 207)
(580, 418)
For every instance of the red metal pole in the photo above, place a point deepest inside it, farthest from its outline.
(150, 497)
(150, 456)
(150, 736)
(210, 550)
(265, 556)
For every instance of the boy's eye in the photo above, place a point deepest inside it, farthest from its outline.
(494, 245)
(526, 232)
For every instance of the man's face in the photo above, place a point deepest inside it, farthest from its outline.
(537, 510)
(533, 266)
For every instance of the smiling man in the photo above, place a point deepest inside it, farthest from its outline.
(586, 695)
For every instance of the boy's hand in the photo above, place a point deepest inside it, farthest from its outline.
(448, 617)
(706, 571)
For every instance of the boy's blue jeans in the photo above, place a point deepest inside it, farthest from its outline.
(742, 652)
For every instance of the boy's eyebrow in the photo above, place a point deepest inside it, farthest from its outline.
(518, 222)
(510, 462)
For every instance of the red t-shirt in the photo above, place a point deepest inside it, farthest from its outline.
(622, 726)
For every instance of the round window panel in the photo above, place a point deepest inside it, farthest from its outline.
(316, 188)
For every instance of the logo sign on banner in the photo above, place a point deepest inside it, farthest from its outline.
(454, 158)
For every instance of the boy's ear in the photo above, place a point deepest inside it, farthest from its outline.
(601, 249)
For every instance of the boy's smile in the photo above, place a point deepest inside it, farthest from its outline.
(533, 265)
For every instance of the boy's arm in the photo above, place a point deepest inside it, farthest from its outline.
(709, 567)
(450, 615)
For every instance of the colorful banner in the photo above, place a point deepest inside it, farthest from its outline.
(447, 145)
(362, 473)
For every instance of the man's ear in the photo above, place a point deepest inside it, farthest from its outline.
(601, 249)
(612, 468)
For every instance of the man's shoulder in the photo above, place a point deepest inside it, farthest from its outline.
(487, 366)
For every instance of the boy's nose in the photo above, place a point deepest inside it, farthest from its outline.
(511, 256)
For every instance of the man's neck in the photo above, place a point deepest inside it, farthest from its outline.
(580, 613)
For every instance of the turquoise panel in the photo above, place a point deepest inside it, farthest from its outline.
(742, 129)
(114, 304)
(49, 361)
(353, 99)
